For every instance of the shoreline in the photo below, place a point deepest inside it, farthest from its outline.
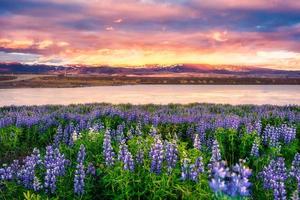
(54, 81)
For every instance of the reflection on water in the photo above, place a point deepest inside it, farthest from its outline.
(157, 94)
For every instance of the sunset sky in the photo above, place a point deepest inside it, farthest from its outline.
(136, 32)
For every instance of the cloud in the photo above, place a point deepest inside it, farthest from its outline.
(163, 31)
(220, 36)
(18, 57)
(120, 20)
(109, 28)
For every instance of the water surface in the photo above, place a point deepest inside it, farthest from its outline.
(157, 94)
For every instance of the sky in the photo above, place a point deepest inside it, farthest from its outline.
(262, 33)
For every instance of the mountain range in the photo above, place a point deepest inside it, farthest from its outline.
(149, 70)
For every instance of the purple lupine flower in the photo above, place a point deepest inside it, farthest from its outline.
(139, 158)
(156, 155)
(58, 136)
(6, 173)
(50, 179)
(255, 148)
(79, 172)
(108, 152)
(274, 176)
(66, 135)
(37, 185)
(36, 156)
(196, 169)
(120, 132)
(15, 166)
(216, 155)
(126, 157)
(200, 129)
(295, 169)
(71, 139)
(185, 169)
(274, 137)
(239, 180)
(218, 172)
(257, 126)
(79, 179)
(82, 124)
(27, 172)
(54, 163)
(288, 134)
(279, 191)
(81, 154)
(197, 142)
(91, 170)
(271, 136)
(190, 132)
(171, 155)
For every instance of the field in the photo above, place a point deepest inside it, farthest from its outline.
(104, 151)
(58, 81)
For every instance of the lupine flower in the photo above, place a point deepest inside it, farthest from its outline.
(58, 136)
(185, 167)
(156, 155)
(125, 157)
(234, 182)
(82, 124)
(288, 134)
(120, 132)
(216, 155)
(218, 171)
(271, 136)
(258, 126)
(79, 172)
(15, 166)
(79, 179)
(81, 154)
(274, 176)
(139, 158)
(91, 169)
(6, 173)
(36, 156)
(255, 148)
(295, 169)
(37, 184)
(108, 152)
(66, 135)
(27, 172)
(239, 180)
(55, 166)
(197, 142)
(171, 155)
(196, 169)
(274, 134)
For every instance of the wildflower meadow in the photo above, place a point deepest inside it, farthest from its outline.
(195, 151)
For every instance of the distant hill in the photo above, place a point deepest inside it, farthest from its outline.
(149, 70)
